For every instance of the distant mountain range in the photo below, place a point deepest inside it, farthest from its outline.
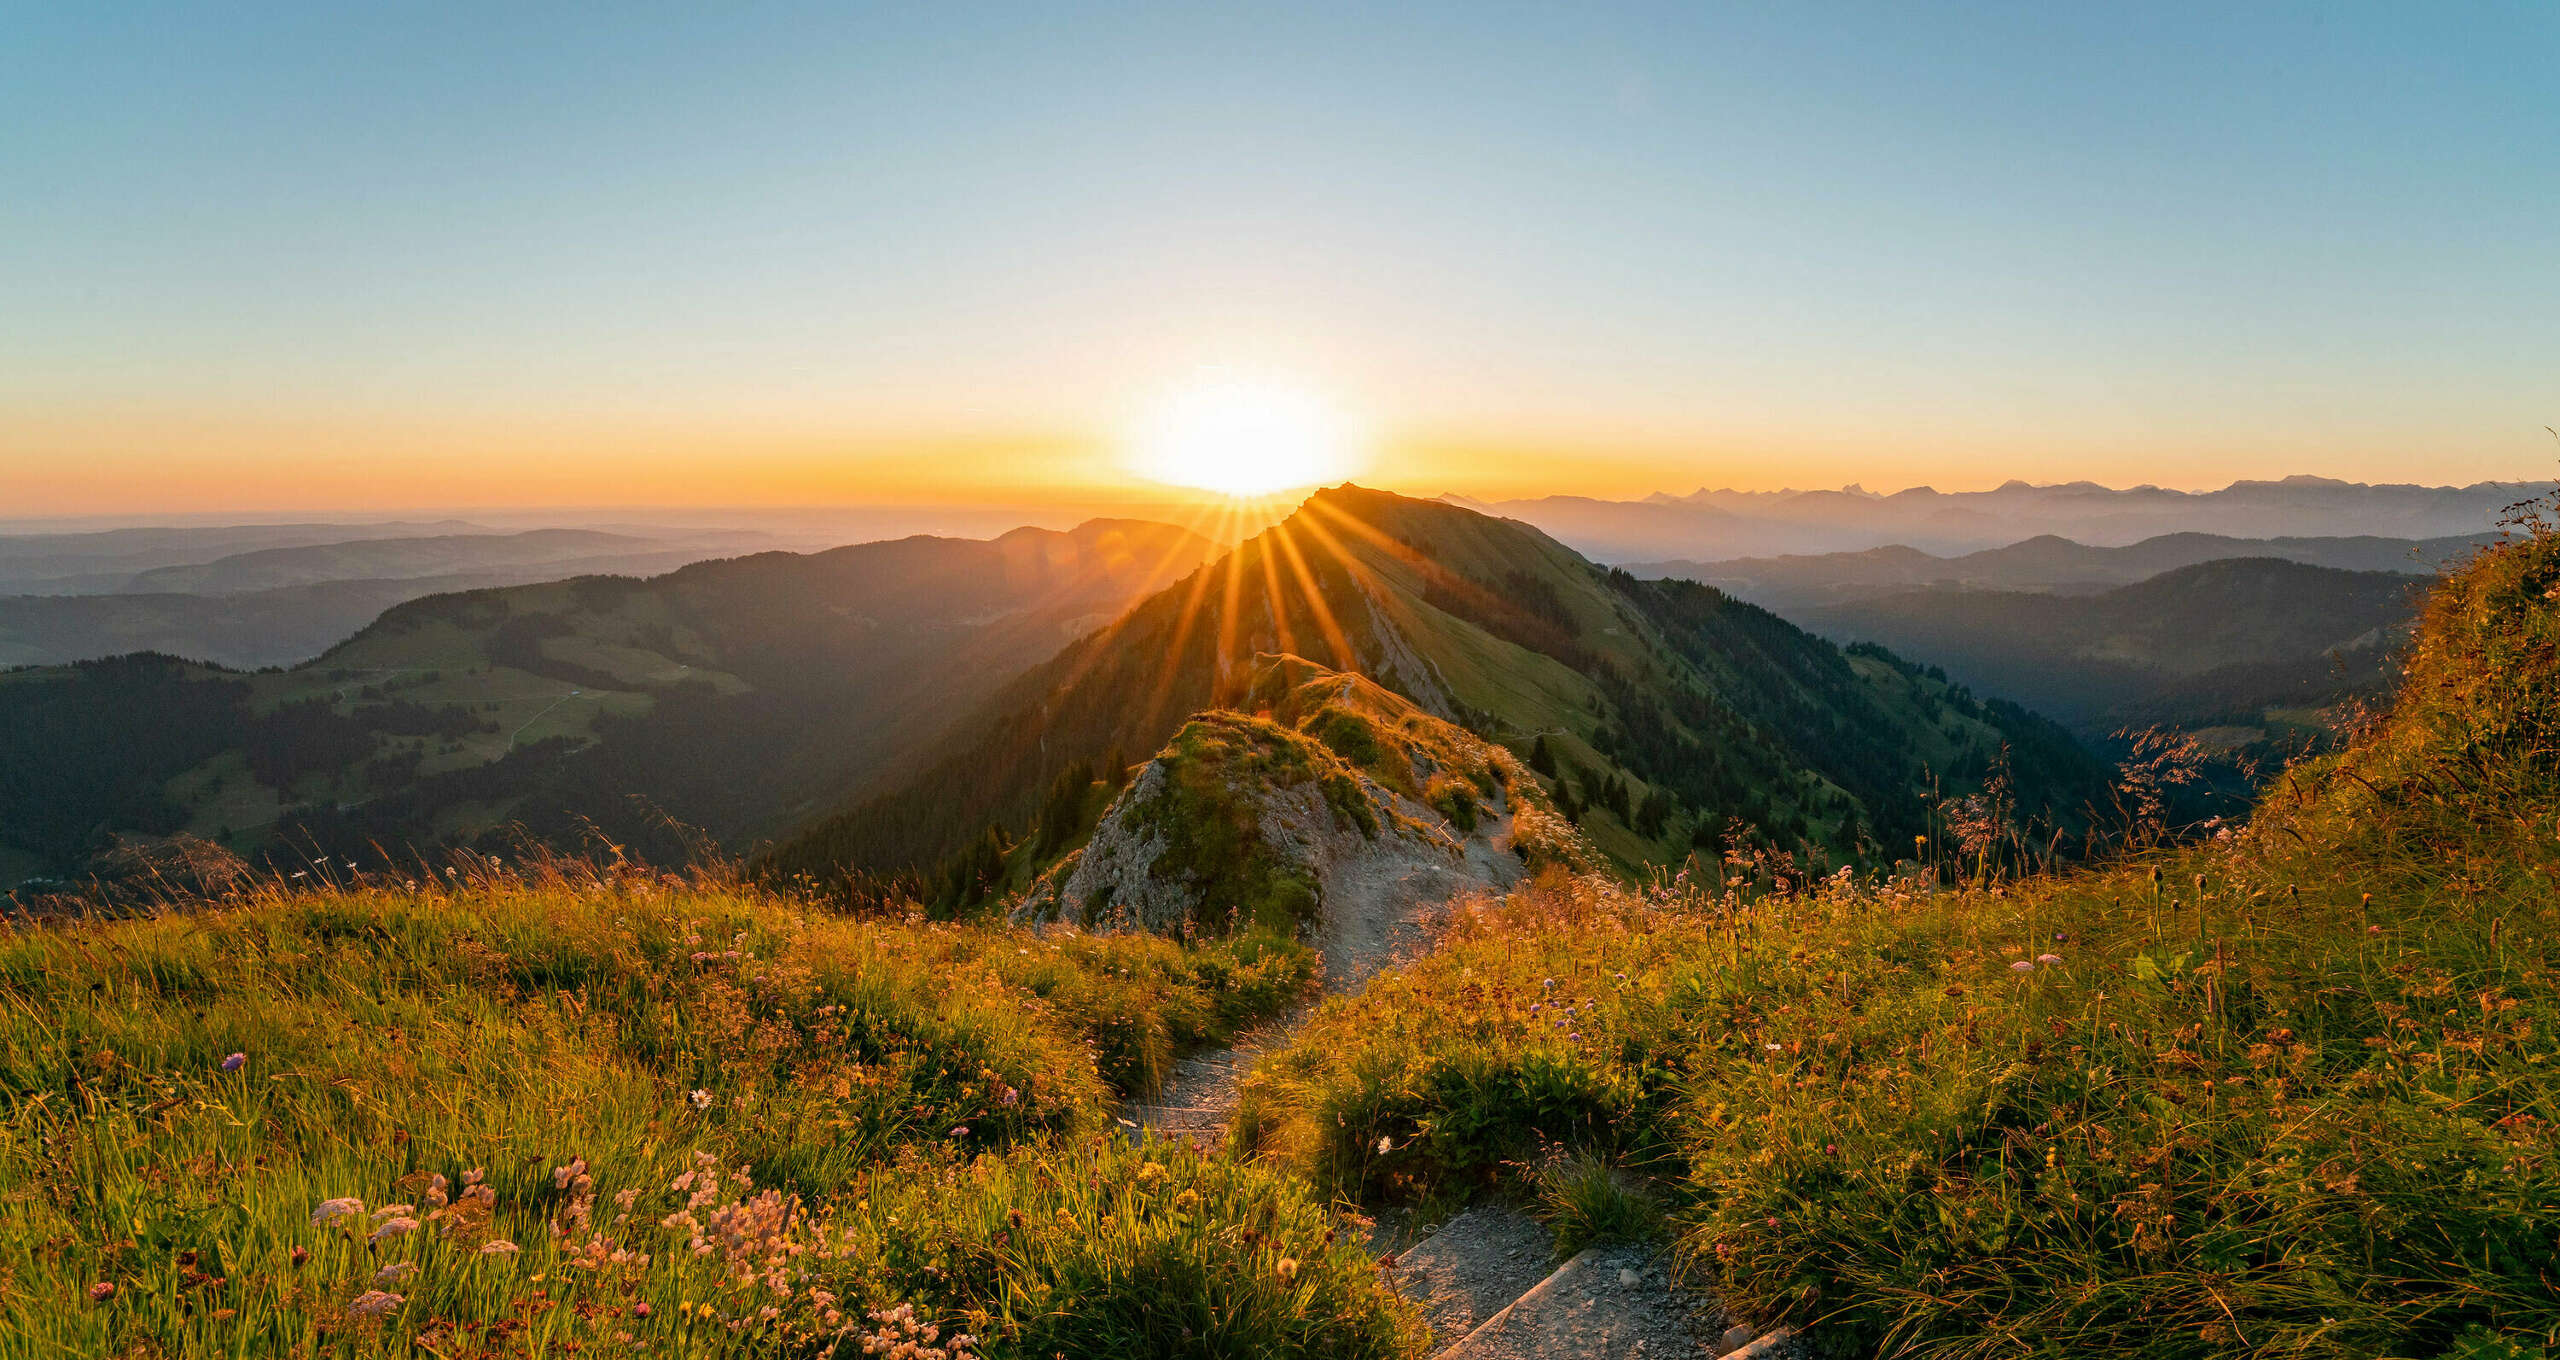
(1798, 582)
(2242, 643)
(187, 592)
(1664, 713)
(721, 696)
(906, 706)
(1712, 525)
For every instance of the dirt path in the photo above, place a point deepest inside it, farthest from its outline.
(1200, 1098)
(1376, 912)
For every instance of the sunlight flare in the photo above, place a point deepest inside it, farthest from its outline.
(1245, 435)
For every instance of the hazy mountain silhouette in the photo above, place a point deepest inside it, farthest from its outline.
(1795, 582)
(722, 694)
(1668, 710)
(1710, 525)
(2218, 642)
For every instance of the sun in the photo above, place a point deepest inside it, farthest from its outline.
(1244, 436)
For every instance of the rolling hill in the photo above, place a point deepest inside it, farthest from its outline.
(2236, 642)
(1714, 524)
(276, 606)
(1793, 583)
(1661, 712)
(722, 696)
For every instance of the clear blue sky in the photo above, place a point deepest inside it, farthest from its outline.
(1619, 248)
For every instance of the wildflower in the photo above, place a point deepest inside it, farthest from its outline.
(1773, 1220)
(300, 1255)
(235, 1062)
(394, 1273)
(700, 1098)
(2049, 960)
(1548, 983)
(1286, 1269)
(562, 1175)
(2373, 930)
(639, 1310)
(1775, 1047)
(2022, 966)
(1185, 1202)
(331, 1210)
(374, 1303)
(394, 1228)
(1011, 1096)
(959, 1131)
(101, 1292)
(1831, 1149)
(1385, 1145)
(497, 1246)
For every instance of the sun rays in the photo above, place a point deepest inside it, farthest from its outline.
(1268, 591)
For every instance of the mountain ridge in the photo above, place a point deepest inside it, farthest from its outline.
(720, 694)
(1679, 711)
(1720, 524)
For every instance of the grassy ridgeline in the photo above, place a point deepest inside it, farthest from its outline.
(634, 1114)
(2294, 1092)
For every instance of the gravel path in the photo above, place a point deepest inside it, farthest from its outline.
(1376, 911)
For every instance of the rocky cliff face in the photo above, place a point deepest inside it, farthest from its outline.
(1334, 811)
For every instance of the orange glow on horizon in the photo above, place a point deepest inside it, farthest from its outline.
(124, 461)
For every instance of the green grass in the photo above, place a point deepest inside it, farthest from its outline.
(2290, 1092)
(899, 1114)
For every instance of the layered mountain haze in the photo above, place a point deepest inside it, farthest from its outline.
(2240, 642)
(1793, 582)
(73, 562)
(1663, 714)
(1710, 525)
(718, 697)
(275, 606)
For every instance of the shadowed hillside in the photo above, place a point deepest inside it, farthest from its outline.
(2220, 642)
(721, 695)
(1661, 713)
(1790, 584)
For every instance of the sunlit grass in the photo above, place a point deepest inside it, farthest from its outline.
(635, 1114)
(2293, 1091)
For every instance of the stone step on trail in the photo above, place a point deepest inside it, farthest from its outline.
(1474, 1266)
(1616, 1301)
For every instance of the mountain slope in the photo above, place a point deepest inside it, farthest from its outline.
(1332, 809)
(1790, 584)
(721, 695)
(1728, 524)
(1667, 710)
(251, 629)
(398, 558)
(2222, 640)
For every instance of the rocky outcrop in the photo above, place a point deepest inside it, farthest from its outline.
(1333, 811)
